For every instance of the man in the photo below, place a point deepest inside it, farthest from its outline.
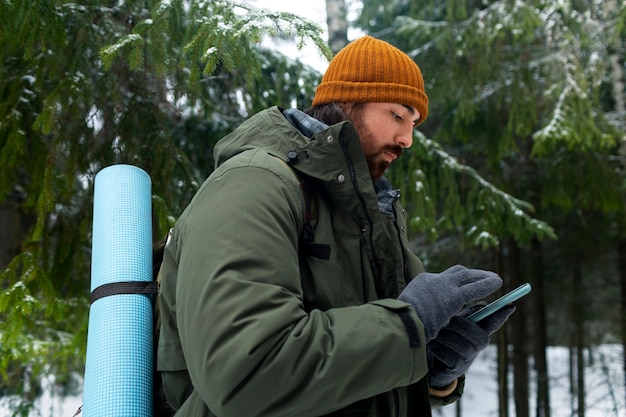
(287, 285)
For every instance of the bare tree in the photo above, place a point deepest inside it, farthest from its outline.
(336, 19)
(15, 224)
(502, 342)
(622, 275)
(619, 96)
(519, 340)
(577, 359)
(540, 330)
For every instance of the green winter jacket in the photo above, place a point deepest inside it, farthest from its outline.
(254, 323)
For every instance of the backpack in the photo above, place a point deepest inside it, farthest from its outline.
(160, 407)
(306, 247)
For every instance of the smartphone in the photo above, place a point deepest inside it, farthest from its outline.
(506, 299)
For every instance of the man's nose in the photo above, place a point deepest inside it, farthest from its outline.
(405, 139)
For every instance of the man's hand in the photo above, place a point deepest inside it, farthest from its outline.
(436, 298)
(456, 346)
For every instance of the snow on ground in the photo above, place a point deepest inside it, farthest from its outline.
(605, 390)
(604, 385)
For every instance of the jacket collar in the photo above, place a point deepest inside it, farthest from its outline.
(331, 156)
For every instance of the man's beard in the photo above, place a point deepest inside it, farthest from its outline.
(375, 158)
(377, 164)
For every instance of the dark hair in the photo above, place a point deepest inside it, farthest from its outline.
(329, 113)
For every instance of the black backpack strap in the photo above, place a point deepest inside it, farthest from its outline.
(307, 244)
(315, 250)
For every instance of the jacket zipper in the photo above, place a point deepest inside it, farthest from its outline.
(376, 266)
(402, 248)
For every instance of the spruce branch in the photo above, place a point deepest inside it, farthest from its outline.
(209, 34)
(453, 196)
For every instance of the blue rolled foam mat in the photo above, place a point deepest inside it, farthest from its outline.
(118, 366)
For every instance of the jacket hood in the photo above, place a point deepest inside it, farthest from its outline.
(268, 130)
(331, 155)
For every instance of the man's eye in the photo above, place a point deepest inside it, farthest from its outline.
(397, 116)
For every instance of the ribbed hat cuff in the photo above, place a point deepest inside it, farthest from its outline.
(364, 92)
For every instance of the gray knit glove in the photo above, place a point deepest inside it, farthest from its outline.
(438, 297)
(458, 343)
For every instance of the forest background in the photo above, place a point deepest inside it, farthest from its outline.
(520, 167)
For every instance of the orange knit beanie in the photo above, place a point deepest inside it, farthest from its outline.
(371, 70)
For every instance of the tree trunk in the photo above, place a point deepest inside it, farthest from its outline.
(572, 373)
(578, 383)
(502, 349)
(540, 330)
(622, 277)
(15, 225)
(503, 380)
(580, 363)
(336, 19)
(519, 341)
(619, 97)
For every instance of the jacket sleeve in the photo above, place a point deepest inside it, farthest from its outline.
(438, 401)
(250, 347)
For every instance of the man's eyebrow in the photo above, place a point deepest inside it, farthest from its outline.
(412, 111)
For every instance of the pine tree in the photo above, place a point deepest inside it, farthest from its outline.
(83, 86)
(527, 93)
